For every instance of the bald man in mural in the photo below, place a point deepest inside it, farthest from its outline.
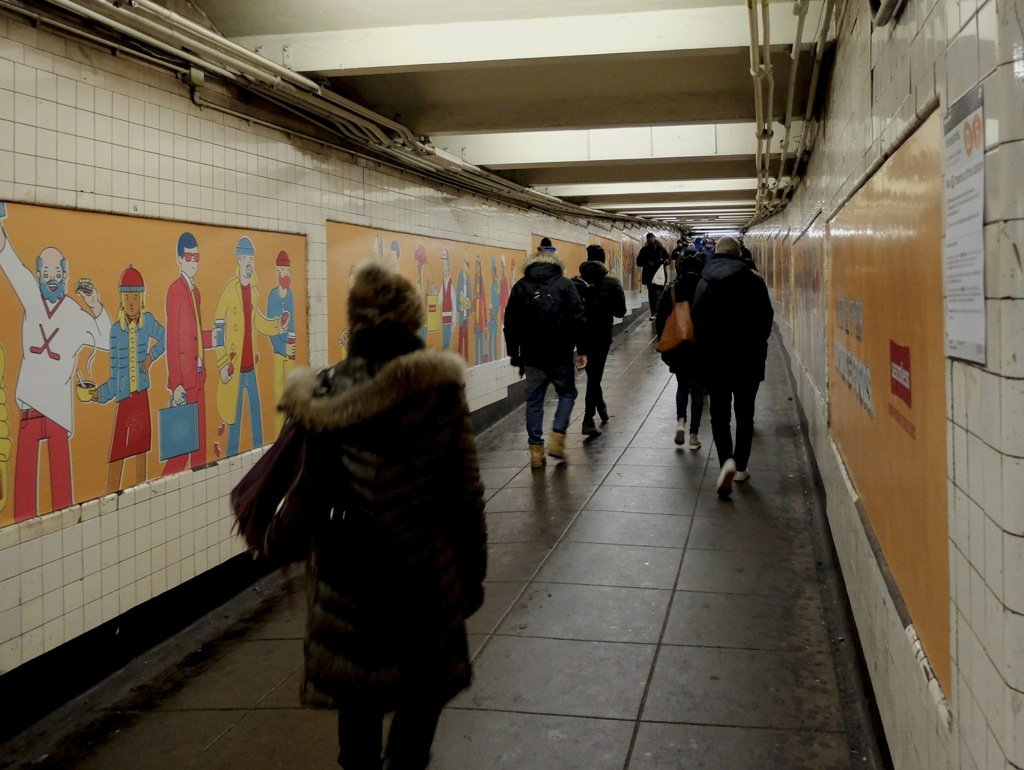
(238, 308)
(53, 330)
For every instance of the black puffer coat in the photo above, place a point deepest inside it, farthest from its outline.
(603, 300)
(399, 563)
(684, 358)
(552, 345)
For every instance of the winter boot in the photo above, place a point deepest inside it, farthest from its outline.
(602, 412)
(537, 458)
(556, 447)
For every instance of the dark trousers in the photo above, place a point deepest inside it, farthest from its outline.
(688, 389)
(361, 730)
(654, 296)
(722, 396)
(594, 400)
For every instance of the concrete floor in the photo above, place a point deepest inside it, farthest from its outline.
(632, 620)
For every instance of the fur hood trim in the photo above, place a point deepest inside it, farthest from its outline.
(324, 400)
(543, 258)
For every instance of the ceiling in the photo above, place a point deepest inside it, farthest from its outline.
(635, 107)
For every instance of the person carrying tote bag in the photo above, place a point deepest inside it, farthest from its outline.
(673, 322)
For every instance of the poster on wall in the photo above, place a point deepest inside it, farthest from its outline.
(963, 252)
(613, 256)
(464, 286)
(630, 274)
(134, 348)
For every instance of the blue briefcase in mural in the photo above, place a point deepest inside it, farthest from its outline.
(179, 430)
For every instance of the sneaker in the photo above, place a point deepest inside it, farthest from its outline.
(741, 476)
(694, 441)
(680, 437)
(725, 477)
(589, 429)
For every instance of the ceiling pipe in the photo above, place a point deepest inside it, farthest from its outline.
(767, 129)
(800, 11)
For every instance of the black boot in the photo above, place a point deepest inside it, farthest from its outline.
(589, 429)
(602, 412)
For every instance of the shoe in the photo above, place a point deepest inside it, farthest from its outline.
(725, 477)
(589, 429)
(602, 412)
(741, 476)
(556, 446)
(680, 438)
(694, 441)
(651, 318)
(537, 458)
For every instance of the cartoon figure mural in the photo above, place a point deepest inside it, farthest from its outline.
(495, 311)
(54, 329)
(463, 307)
(136, 341)
(479, 313)
(447, 301)
(281, 305)
(5, 434)
(420, 256)
(186, 370)
(237, 319)
(396, 256)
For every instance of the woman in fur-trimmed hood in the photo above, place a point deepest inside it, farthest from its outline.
(399, 562)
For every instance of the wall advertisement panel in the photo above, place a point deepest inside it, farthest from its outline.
(630, 273)
(886, 381)
(808, 254)
(464, 286)
(132, 348)
(613, 258)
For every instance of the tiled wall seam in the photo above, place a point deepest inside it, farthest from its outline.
(80, 129)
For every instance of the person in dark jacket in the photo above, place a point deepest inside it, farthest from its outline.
(399, 553)
(603, 301)
(682, 361)
(652, 258)
(732, 316)
(544, 324)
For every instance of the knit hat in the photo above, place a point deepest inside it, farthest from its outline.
(379, 295)
(131, 281)
(245, 247)
(282, 260)
(545, 245)
(595, 253)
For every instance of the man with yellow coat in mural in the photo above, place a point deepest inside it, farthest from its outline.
(236, 322)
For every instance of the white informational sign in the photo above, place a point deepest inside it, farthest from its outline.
(963, 258)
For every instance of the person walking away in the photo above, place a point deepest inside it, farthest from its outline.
(398, 554)
(732, 316)
(652, 258)
(544, 324)
(682, 361)
(603, 301)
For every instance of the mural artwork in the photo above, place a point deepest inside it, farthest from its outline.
(106, 348)
(464, 286)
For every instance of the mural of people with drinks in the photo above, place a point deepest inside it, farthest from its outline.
(464, 286)
(105, 348)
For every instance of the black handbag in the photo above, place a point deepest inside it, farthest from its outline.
(276, 502)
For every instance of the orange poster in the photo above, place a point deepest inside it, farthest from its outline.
(613, 257)
(464, 286)
(132, 348)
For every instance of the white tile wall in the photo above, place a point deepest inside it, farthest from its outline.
(949, 47)
(81, 129)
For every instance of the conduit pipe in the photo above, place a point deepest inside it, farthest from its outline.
(800, 11)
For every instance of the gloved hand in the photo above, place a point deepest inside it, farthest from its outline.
(516, 361)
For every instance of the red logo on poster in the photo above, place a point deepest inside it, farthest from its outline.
(899, 367)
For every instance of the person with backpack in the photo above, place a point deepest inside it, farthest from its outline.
(732, 318)
(544, 325)
(682, 361)
(603, 300)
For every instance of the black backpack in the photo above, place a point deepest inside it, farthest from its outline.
(543, 308)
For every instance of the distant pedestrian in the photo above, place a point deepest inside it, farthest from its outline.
(398, 564)
(683, 361)
(732, 316)
(653, 262)
(679, 251)
(544, 324)
(603, 301)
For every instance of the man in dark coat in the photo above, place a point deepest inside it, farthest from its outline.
(603, 300)
(544, 324)
(397, 514)
(732, 316)
(653, 257)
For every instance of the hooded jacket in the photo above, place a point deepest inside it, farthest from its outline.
(732, 319)
(553, 345)
(649, 259)
(399, 551)
(604, 301)
(683, 358)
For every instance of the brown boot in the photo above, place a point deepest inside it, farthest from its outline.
(556, 447)
(537, 458)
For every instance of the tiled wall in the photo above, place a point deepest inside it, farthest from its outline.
(884, 81)
(81, 129)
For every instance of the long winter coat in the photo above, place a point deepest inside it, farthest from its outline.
(399, 557)
(684, 358)
(604, 302)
